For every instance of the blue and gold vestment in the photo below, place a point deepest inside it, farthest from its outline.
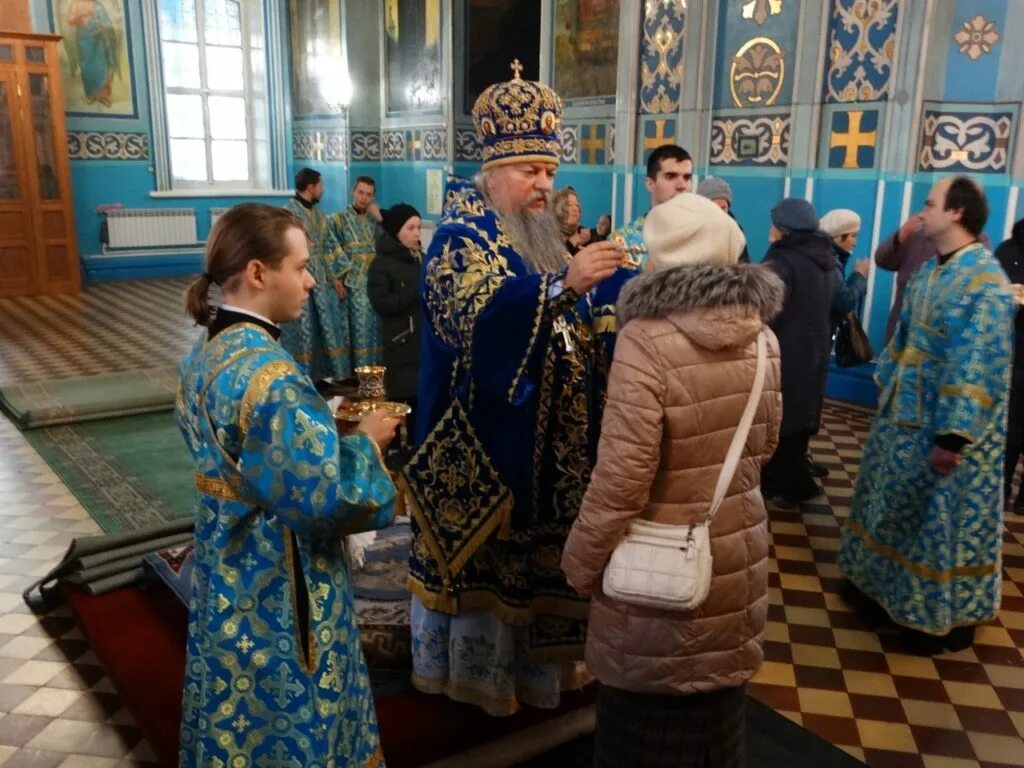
(277, 491)
(928, 547)
(533, 392)
(357, 234)
(319, 339)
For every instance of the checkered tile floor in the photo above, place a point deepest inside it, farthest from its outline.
(823, 669)
(851, 686)
(111, 327)
(57, 708)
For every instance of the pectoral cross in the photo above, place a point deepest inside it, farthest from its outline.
(562, 327)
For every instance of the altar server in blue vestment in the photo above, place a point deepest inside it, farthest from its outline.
(356, 230)
(318, 339)
(924, 537)
(512, 381)
(275, 673)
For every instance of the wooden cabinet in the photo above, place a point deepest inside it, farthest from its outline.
(38, 247)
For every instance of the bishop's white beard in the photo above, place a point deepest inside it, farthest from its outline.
(536, 237)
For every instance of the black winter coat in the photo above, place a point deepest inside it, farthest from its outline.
(393, 288)
(806, 264)
(1011, 255)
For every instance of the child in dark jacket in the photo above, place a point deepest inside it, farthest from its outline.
(393, 288)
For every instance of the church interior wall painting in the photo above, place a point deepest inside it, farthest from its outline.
(965, 111)
(661, 57)
(975, 48)
(96, 57)
(412, 55)
(861, 50)
(967, 138)
(319, 81)
(756, 54)
(586, 51)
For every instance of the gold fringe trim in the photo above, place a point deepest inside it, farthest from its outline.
(925, 572)
(900, 622)
(466, 694)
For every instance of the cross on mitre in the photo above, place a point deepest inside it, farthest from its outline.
(517, 69)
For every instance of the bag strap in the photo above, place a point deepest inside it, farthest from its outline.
(739, 440)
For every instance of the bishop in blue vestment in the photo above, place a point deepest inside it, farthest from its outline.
(512, 383)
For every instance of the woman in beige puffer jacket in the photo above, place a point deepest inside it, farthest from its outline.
(673, 683)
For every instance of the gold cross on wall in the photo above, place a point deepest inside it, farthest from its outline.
(659, 139)
(318, 146)
(592, 144)
(853, 139)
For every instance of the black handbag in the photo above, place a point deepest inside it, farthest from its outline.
(852, 345)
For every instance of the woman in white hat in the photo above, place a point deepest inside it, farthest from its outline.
(673, 683)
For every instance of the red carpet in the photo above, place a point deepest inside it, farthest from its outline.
(139, 637)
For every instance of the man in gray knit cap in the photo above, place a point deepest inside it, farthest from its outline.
(719, 192)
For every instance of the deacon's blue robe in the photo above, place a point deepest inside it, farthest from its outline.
(357, 234)
(275, 673)
(319, 339)
(927, 547)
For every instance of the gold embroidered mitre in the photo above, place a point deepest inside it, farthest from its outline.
(518, 122)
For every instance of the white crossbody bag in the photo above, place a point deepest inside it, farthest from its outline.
(669, 566)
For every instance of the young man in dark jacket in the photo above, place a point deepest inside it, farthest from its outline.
(802, 256)
(1010, 254)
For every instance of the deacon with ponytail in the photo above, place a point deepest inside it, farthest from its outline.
(277, 490)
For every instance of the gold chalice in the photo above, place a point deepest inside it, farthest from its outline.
(631, 254)
(371, 397)
(371, 382)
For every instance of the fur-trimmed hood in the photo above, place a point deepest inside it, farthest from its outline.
(704, 286)
(717, 306)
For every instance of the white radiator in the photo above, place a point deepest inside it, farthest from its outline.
(216, 213)
(151, 227)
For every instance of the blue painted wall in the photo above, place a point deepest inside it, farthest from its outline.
(128, 181)
(963, 85)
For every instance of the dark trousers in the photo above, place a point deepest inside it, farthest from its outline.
(1014, 431)
(648, 730)
(787, 474)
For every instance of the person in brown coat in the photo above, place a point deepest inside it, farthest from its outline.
(673, 683)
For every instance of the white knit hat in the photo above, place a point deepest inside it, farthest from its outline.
(839, 222)
(690, 229)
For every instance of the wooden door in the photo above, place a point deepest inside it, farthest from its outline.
(57, 266)
(18, 275)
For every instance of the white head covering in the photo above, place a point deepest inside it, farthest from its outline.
(690, 229)
(839, 222)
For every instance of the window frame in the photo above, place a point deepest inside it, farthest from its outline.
(166, 184)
